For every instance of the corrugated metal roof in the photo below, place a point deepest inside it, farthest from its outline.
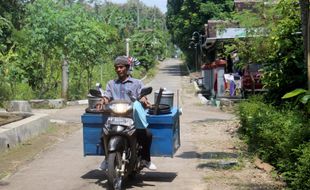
(229, 33)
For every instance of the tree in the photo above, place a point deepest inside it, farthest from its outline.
(54, 34)
(148, 46)
(186, 17)
(14, 11)
(305, 20)
(126, 17)
(278, 47)
(41, 39)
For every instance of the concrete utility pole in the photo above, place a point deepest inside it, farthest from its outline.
(127, 46)
(65, 79)
(138, 14)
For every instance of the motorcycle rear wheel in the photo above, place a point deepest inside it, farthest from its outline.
(114, 176)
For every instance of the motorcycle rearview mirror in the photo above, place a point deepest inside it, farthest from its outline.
(95, 93)
(146, 91)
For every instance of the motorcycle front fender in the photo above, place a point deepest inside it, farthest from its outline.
(116, 143)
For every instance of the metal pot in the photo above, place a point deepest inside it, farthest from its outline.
(92, 101)
(162, 109)
(166, 97)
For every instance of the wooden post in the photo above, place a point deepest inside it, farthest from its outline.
(308, 48)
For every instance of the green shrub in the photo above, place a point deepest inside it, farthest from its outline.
(298, 176)
(252, 114)
(23, 92)
(4, 93)
(302, 176)
(275, 135)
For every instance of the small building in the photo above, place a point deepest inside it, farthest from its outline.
(217, 80)
(217, 32)
(241, 5)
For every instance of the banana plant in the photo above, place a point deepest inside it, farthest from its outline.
(301, 95)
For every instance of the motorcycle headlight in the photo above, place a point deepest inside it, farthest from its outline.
(118, 128)
(120, 108)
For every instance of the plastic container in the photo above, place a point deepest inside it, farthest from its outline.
(166, 97)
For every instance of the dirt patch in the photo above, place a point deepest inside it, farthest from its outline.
(225, 161)
(222, 156)
(11, 160)
(6, 118)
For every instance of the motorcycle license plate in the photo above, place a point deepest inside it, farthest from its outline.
(120, 121)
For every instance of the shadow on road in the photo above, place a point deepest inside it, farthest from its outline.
(4, 183)
(142, 179)
(225, 165)
(173, 70)
(217, 160)
(139, 181)
(207, 155)
(98, 175)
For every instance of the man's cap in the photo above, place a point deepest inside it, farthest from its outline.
(122, 60)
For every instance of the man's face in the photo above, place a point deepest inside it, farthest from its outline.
(121, 70)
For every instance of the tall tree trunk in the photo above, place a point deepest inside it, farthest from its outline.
(308, 49)
(304, 10)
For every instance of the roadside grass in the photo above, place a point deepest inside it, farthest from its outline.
(149, 75)
(152, 73)
(24, 153)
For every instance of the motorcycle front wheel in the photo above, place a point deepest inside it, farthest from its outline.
(114, 175)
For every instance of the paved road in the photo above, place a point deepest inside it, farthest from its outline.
(64, 167)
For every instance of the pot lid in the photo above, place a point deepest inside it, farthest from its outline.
(164, 92)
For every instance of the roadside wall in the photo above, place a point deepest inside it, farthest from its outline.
(20, 131)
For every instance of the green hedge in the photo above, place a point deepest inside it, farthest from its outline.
(280, 137)
(301, 177)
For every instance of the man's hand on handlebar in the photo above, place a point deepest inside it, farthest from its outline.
(145, 102)
(103, 101)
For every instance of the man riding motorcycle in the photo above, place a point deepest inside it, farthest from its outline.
(118, 89)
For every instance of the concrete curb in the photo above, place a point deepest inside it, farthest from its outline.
(144, 78)
(77, 102)
(202, 99)
(49, 103)
(20, 131)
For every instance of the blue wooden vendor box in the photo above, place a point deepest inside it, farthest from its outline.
(166, 133)
(92, 129)
(165, 129)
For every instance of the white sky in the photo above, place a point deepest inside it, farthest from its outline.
(161, 4)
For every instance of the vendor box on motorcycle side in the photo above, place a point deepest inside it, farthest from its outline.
(165, 129)
(166, 133)
(92, 129)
